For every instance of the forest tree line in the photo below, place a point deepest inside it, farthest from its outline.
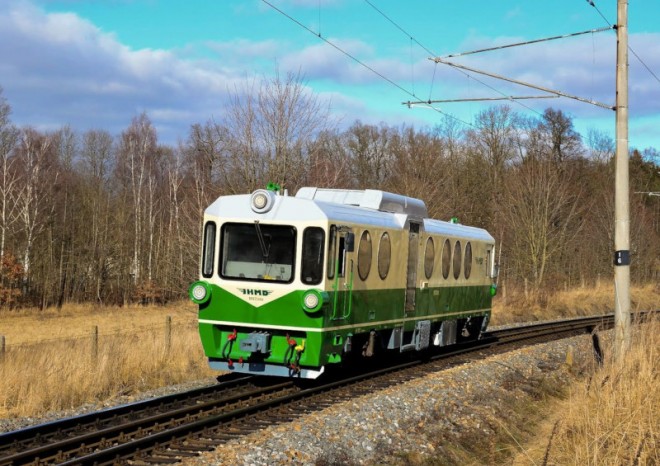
(115, 219)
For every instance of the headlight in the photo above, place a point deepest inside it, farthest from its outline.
(200, 292)
(313, 300)
(259, 200)
(262, 200)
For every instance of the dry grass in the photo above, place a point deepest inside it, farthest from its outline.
(612, 417)
(27, 326)
(64, 372)
(584, 301)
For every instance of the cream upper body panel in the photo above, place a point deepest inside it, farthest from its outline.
(378, 213)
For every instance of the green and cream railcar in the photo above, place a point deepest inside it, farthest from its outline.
(290, 285)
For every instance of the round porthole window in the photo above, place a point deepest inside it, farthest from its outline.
(364, 255)
(429, 257)
(457, 259)
(384, 255)
(467, 266)
(446, 259)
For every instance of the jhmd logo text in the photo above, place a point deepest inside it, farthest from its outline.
(254, 292)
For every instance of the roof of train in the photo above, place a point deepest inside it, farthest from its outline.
(372, 207)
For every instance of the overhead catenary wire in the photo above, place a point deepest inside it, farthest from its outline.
(358, 61)
(528, 42)
(394, 23)
(590, 2)
(430, 52)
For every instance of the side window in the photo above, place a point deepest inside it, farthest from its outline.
(341, 259)
(208, 249)
(384, 255)
(332, 252)
(446, 259)
(429, 257)
(312, 256)
(457, 259)
(467, 266)
(364, 255)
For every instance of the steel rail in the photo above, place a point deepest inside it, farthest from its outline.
(62, 427)
(151, 415)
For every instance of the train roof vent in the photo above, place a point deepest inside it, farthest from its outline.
(368, 198)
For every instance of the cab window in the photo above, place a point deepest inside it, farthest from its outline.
(208, 249)
(254, 251)
(312, 256)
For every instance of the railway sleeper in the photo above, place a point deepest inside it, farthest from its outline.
(176, 453)
(222, 436)
(193, 446)
(204, 441)
(161, 460)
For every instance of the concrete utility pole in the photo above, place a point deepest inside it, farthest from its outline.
(622, 199)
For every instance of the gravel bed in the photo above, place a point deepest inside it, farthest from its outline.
(418, 420)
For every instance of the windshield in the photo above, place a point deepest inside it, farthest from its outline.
(254, 251)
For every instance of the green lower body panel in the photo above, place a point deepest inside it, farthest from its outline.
(282, 338)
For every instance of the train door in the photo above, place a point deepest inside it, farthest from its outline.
(340, 269)
(411, 274)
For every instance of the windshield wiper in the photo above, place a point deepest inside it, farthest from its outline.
(265, 251)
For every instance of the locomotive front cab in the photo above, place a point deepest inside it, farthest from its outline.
(261, 298)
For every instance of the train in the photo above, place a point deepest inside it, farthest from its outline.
(292, 286)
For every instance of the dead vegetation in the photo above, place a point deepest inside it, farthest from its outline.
(513, 306)
(609, 417)
(54, 362)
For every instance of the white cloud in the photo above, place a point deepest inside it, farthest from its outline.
(53, 63)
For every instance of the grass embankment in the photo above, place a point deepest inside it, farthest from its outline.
(611, 417)
(607, 415)
(584, 301)
(51, 361)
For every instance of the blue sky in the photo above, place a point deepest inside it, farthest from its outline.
(99, 63)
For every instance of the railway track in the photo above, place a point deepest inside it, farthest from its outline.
(166, 429)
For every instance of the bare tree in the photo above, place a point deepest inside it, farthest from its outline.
(37, 167)
(454, 182)
(417, 167)
(543, 216)
(269, 129)
(8, 181)
(136, 161)
(205, 160)
(601, 146)
(328, 165)
(368, 147)
(96, 160)
(561, 142)
(494, 140)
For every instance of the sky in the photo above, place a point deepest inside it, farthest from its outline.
(97, 64)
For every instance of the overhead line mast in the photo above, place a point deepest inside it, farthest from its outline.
(622, 192)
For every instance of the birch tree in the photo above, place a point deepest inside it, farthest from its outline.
(38, 173)
(8, 180)
(96, 159)
(136, 158)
